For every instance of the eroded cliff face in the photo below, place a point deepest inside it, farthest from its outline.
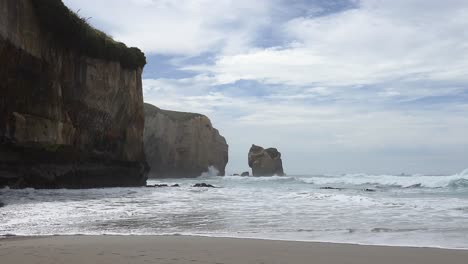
(66, 120)
(181, 144)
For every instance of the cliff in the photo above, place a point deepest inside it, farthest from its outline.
(179, 144)
(70, 116)
(265, 162)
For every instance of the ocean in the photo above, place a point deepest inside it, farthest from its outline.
(414, 210)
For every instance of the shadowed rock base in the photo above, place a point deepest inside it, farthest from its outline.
(65, 168)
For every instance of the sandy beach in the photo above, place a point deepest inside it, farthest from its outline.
(183, 249)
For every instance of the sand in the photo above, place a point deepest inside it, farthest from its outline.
(195, 250)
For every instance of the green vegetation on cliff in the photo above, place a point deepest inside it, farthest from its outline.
(74, 32)
(174, 115)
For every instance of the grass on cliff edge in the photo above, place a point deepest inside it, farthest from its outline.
(174, 115)
(75, 33)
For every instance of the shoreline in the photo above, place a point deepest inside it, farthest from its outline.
(197, 249)
(26, 237)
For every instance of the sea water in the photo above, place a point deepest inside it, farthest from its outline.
(415, 210)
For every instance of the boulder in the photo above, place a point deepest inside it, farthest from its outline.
(162, 185)
(157, 186)
(203, 185)
(182, 145)
(265, 162)
(331, 188)
(417, 185)
(245, 173)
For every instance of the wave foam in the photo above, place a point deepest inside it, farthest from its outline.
(459, 180)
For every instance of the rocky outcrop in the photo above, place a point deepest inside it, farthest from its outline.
(265, 162)
(162, 185)
(179, 144)
(204, 185)
(67, 119)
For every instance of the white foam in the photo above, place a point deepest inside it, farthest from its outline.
(393, 180)
(211, 171)
(287, 208)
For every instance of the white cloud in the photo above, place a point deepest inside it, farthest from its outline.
(185, 27)
(378, 42)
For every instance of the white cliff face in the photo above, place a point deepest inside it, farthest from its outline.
(181, 144)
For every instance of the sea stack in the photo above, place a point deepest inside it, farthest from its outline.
(265, 162)
(182, 145)
(71, 104)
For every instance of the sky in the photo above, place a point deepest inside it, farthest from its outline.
(338, 86)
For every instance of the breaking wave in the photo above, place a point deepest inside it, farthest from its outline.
(455, 181)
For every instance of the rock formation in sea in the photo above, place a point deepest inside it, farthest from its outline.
(179, 144)
(71, 104)
(265, 162)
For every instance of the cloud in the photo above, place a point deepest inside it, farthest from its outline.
(378, 42)
(184, 27)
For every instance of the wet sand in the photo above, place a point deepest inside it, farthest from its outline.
(194, 250)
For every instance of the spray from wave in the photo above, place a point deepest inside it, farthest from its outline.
(211, 172)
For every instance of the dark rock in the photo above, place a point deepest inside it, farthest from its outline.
(265, 162)
(245, 173)
(182, 145)
(162, 185)
(70, 175)
(157, 186)
(235, 174)
(66, 120)
(331, 188)
(369, 190)
(418, 185)
(204, 185)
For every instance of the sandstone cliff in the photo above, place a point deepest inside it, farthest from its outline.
(265, 162)
(181, 144)
(67, 118)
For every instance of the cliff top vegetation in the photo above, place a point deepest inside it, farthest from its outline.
(75, 33)
(174, 115)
